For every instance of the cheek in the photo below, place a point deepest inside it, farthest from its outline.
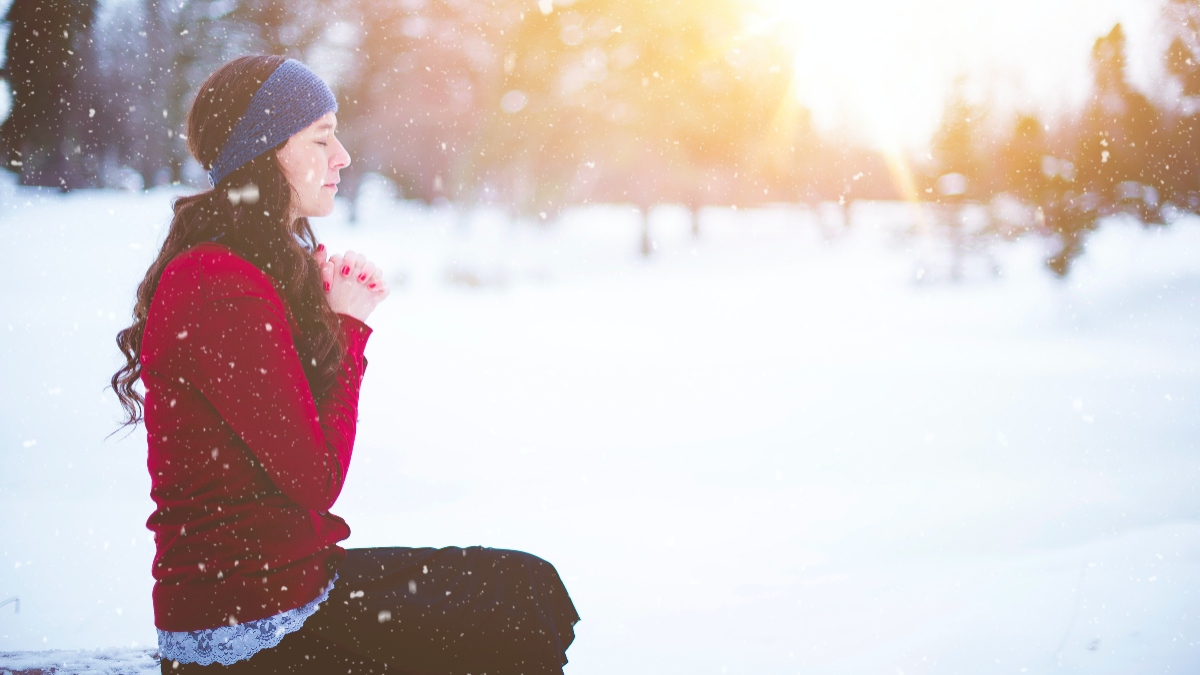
(312, 173)
(299, 169)
(312, 169)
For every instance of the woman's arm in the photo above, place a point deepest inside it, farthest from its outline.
(251, 373)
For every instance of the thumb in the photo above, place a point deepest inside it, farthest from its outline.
(327, 275)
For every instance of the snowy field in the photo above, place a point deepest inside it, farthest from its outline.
(769, 450)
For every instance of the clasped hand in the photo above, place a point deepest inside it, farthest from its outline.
(353, 284)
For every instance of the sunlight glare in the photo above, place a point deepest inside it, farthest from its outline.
(881, 69)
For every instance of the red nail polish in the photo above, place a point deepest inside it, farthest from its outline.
(362, 277)
(320, 247)
(327, 285)
(371, 286)
(345, 270)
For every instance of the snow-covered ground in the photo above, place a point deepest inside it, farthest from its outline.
(770, 450)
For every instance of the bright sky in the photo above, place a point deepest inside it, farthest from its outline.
(882, 68)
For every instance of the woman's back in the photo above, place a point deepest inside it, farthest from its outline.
(244, 464)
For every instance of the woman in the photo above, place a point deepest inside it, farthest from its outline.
(249, 342)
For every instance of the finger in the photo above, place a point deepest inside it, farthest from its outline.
(366, 272)
(327, 275)
(320, 255)
(356, 265)
(351, 262)
(330, 268)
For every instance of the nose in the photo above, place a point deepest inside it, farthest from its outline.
(341, 158)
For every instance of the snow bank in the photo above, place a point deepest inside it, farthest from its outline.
(771, 449)
(70, 662)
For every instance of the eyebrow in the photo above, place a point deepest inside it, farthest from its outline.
(324, 125)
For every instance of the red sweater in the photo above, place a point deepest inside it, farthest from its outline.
(244, 464)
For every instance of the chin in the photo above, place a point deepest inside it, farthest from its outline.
(321, 210)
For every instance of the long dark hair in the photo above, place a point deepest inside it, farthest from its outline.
(256, 229)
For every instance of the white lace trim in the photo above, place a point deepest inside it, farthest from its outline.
(229, 644)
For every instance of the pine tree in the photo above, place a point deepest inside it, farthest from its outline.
(48, 72)
(1180, 179)
(1119, 140)
(956, 147)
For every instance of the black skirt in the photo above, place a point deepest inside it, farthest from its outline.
(426, 611)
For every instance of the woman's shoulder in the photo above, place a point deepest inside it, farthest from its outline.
(219, 273)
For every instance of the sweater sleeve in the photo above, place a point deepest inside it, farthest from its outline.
(250, 371)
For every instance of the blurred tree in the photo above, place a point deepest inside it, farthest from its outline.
(1024, 161)
(739, 113)
(1119, 140)
(1181, 18)
(151, 74)
(955, 147)
(636, 102)
(1181, 157)
(959, 169)
(159, 51)
(412, 101)
(282, 27)
(169, 47)
(1181, 163)
(126, 100)
(806, 177)
(1119, 160)
(1181, 63)
(51, 74)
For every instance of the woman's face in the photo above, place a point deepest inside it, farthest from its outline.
(311, 160)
